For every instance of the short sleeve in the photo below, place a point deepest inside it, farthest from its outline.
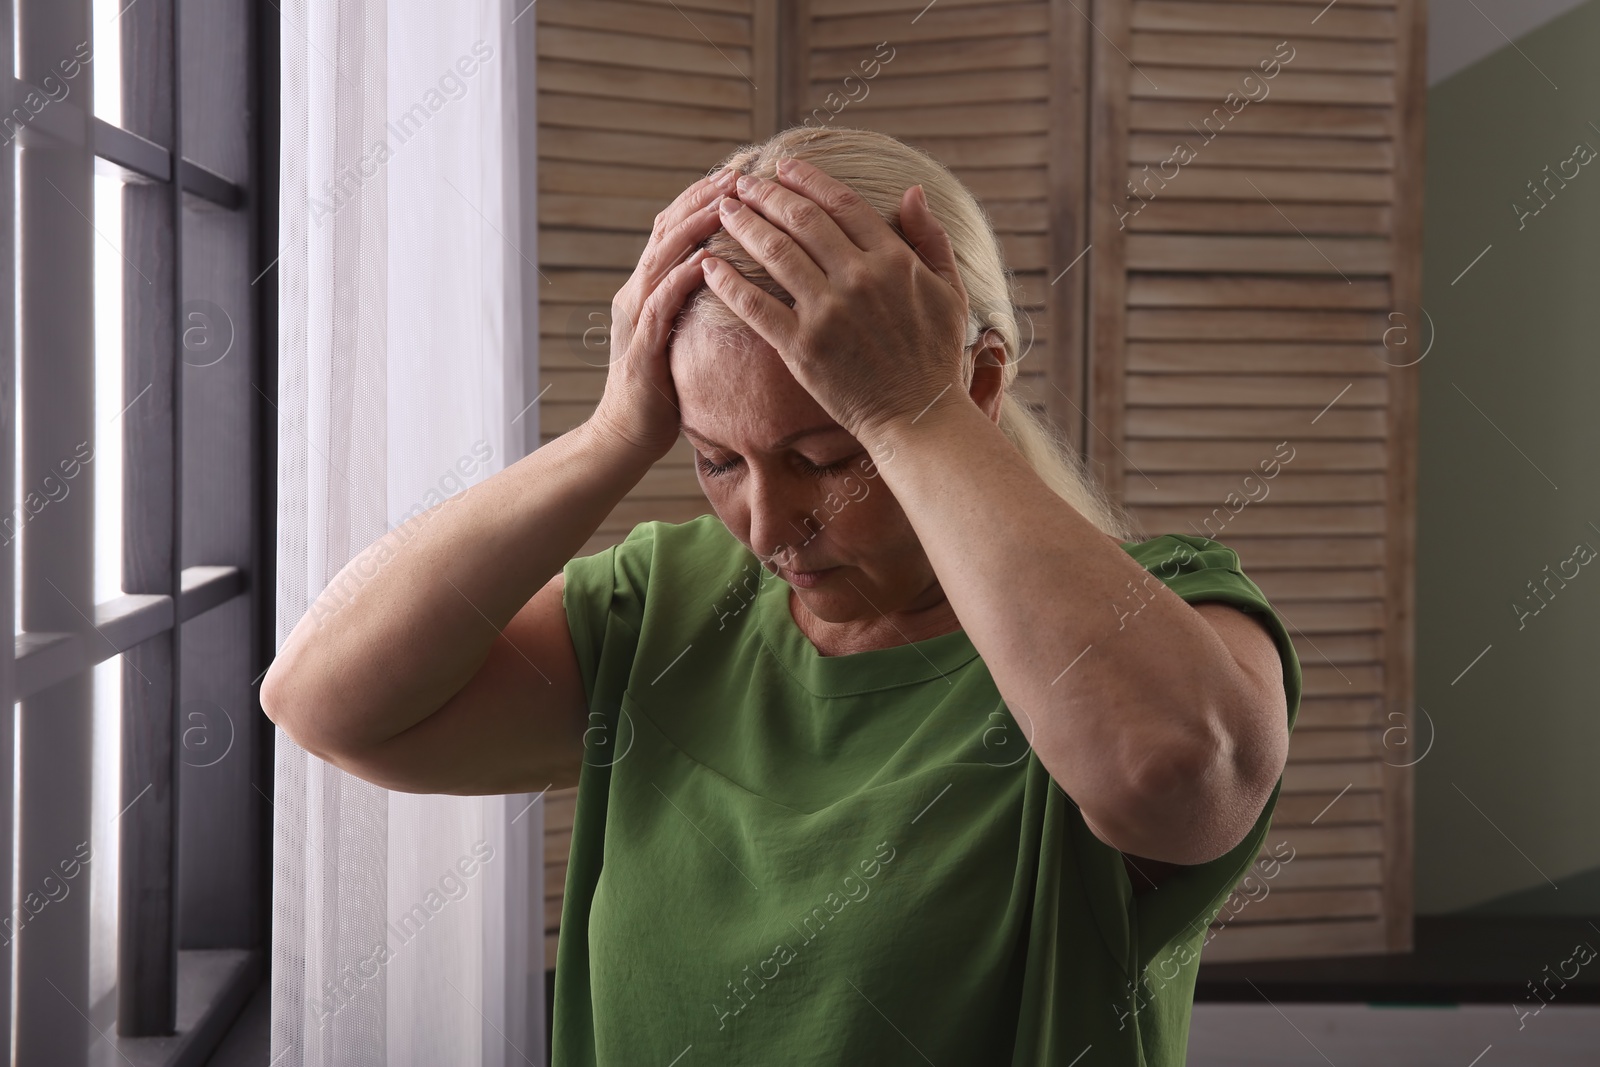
(1182, 906)
(604, 595)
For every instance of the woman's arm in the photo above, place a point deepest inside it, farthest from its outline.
(408, 622)
(1137, 704)
(432, 597)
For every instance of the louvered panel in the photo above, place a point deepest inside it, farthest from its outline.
(1190, 355)
(574, 247)
(1328, 713)
(1297, 254)
(1156, 458)
(604, 146)
(910, 123)
(607, 179)
(1212, 89)
(641, 116)
(1013, 150)
(1337, 649)
(637, 51)
(907, 9)
(943, 22)
(1345, 21)
(1357, 616)
(1304, 120)
(1303, 553)
(586, 286)
(1333, 776)
(1353, 839)
(1012, 216)
(1156, 49)
(1226, 95)
(1003, 184)
(894, 90)
(622, 83)
(1254, 487)
(1205, 423)
(616, 213)
(1323, 745)
(1274, 186)
(1285, 519)
(1174, 215)
(1317, 872)
(727, 7)
(1265, 291)
(1254, 390)
(939, 57)
(1257, 242)
(1321, 584)
(1249, 150)
(557, 417)
(723, 25)
(1347, 808)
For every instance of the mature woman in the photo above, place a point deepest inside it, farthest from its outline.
(910, 753)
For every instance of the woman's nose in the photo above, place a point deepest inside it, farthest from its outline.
(774, 507)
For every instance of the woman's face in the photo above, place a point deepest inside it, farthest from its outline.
(793, 485)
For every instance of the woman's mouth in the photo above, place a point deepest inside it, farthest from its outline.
(805, 579)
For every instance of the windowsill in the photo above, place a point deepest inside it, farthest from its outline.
(213, 985)
(1458, 959)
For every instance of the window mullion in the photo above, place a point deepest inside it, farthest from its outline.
(147, 961)
(8, 506)
(56, 405)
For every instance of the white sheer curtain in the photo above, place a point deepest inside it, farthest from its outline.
(406, 929)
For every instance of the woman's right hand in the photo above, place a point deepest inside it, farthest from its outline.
(640, 404)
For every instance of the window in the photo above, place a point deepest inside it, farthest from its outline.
(137, 294)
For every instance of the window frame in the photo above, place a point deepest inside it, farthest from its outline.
(171, 1004)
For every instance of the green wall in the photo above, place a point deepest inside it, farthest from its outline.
(1508, 798)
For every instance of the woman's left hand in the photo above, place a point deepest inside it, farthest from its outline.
(878, 328)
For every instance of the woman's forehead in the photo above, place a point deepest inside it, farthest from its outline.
(710, 366)
(739, 393)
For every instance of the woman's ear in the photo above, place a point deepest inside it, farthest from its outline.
(988, 374)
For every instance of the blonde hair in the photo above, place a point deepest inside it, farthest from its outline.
(880, 168)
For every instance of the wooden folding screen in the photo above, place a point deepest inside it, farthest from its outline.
(1255, 213)
(1191, 317)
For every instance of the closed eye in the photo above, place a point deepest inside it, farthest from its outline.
(718, 470)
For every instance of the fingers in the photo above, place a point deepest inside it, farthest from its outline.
(785, 260)
(812, 228)
(929, 238)
(696, 196)
(857, 218)
(665, 301)
(677, 229)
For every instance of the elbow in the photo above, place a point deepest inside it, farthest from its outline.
(1180, 803)
(283, 701)
(271, 695)
(283, 688)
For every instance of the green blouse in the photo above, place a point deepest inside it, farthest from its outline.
(785, 858)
